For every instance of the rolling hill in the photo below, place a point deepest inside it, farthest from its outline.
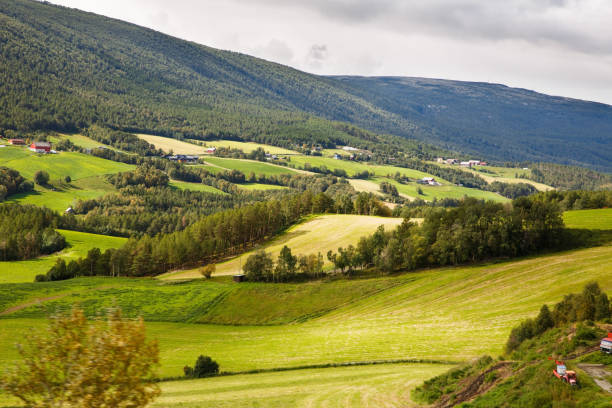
(84, 69)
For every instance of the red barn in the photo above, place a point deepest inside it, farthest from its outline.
(41, 147)
(16, 141)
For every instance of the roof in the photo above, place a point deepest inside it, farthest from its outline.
(42, 144)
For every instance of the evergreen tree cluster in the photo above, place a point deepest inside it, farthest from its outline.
(590, 305)
(27, 232)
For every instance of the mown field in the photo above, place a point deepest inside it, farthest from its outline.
(168, 144)
(411, 316)
(249, 166)
(78, 245)
(259, 186)
(319, 234)
(184, 185)
(600, 219)
(246, 147)
(502, 174)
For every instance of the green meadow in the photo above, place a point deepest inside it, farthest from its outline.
(249, 166)
(439, 192)
(78, 245)
(600, 219)
(184, 185)
(259, 186)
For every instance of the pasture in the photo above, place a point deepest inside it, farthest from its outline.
(409, 316)
(319, 234)
(249, 166)
(246, 147)
(60, 195)
(354, 167)
(73, 164)
(78, 245)
(439, 192)
(168, 144)
(184, 185)
(599, 219)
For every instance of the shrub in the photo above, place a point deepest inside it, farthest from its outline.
(208, 270)
(204, 367)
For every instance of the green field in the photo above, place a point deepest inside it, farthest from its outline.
(259, 186)
(78, 245)
(443, 191)
(60, 196)
(75, 165)
(353, 167)
(249, 166)
(600, 219)
(451, 314)
(183, 185)
(246, 147)
(80, 141)
(316, 235)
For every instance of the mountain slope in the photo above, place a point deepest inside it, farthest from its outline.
(65, 69)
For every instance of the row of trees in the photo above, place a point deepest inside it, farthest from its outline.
(471, 232)
(592, 304)
(260, 267)
(27, 232)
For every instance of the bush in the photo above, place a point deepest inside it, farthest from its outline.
(41, 177)
(208, 270)
(204, 367)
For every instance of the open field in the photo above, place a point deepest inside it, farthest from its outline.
(249, 166)
(412, 315)
(316, 235)
(78, 245)
(75, 165)
(177, 146)
(259, 186)
(443, 191)
(246, 147)
(80, 141)
(385, 385)
(353, 167)
(184, 185)
(600, 219)
(367, 186)
(60, 196)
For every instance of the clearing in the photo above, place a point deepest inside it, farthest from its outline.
(249, 166)
(184, 185)
(319, 234)
(78, 245)
(246, 147)
(600, 219)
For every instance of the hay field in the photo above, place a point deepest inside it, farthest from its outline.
(316, 235)
(177, 146)
(248, 147)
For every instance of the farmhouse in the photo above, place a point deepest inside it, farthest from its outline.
(211, 150)
(41, 147)
(17, 142)
(429, 181)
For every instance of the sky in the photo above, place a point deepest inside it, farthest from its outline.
(558, 47)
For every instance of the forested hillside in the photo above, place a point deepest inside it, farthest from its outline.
(84, 69)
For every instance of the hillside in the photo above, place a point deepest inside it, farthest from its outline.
(86, 69)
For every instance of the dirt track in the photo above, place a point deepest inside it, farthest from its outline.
(598, 373)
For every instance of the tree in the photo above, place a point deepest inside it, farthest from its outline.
(41, 177)
(544, 321)
(205, 367)
(208, 270)
(75, 363)
(258, 267)
(285, 265)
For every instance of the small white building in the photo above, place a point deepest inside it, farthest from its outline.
(349, 149)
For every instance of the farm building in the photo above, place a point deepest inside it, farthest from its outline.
(211, 150)
(429, 181)
(183, 158)
(452, 161)
(41, 147)
(17, 142)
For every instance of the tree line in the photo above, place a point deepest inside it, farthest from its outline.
(28, 231)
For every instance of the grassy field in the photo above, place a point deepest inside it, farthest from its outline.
(249, 166)
(60, 196)
(183, 185)
(247, 147)
(367, 186)
(451, 314)
(600, 219)
(75, 165)
(353, 167)
(177, 146)
(316, 235)
(78, 245)
(443, 191)
(79, 140)
(385, 385)
(258, 186)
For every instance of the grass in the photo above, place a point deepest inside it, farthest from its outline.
(382, 385)
(443, 191)
(259, 186)
(73, 164)
(80, 141)
(600, 219)
(177, 146)
(78, 245)
(249, 166)
(60, 196)
(247, 147)
(183, 185)
(451, 314)
(353, 167)
(502, 174)
(319, 234)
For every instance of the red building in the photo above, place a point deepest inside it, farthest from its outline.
(16, 141)
(41, 147)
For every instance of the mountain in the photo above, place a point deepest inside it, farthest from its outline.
(64, 69)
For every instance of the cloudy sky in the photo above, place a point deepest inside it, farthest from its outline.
(560, 47)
